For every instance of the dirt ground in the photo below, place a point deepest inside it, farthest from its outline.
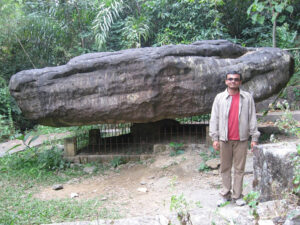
(162, 176)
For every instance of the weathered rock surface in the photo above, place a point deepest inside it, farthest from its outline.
(291, 94)
(273, 169)
(147, 84)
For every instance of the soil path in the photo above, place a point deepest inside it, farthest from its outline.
(162, 176)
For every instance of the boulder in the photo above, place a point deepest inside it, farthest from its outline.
(274, 169)
(146, 84)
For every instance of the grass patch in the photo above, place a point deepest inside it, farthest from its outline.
(23, 174)
(19, 207)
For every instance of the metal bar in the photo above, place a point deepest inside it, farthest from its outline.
(110, 140)
(99, 141)
(117, 138)
(171, 135)
(105, 140)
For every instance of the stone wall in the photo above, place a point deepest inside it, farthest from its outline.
(273, 169)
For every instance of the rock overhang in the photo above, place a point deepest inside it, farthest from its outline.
(146, 84)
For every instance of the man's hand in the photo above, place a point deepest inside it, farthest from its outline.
(216, 145)
(253, 143)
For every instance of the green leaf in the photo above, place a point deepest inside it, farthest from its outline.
(14, 147)
(26, 137)
(290, 9)
(281, 19)
(279, 7)
(33, 139)
(260, 19)
(20, 137)
(249, 10)
(260, 7)
(254, 18)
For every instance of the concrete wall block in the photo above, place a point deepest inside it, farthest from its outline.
(70, 146)
(273, 169)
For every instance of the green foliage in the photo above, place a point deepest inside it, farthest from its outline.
(285, 37)
(179, 204)
(252, 200)
(177, 149)
(295, 79)
(134, 30)
(275, 8)
(34, 161)
(203, 167)
(205, 156)
(201, 118)
(108, 12)
(19, 205)
(296, 179)
(5, 130)
(286, 122)
(51, 159)
(117, 161)
(262, 9)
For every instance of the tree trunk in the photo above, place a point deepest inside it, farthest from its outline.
(274, 34)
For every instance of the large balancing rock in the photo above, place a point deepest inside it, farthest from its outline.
(146, 84)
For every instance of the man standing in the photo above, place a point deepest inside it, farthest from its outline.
(233, 120)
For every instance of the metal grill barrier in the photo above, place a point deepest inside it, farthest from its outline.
(139, 138)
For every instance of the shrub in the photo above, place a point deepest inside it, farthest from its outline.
(4, 128)
(51, 159)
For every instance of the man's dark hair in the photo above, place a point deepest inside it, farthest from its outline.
(234, 72)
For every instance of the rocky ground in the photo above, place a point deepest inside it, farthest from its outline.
(145, 188)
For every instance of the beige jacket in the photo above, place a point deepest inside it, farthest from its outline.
(218, 124)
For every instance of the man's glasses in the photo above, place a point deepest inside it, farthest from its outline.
(235, 79)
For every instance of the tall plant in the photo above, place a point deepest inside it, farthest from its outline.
(6, 121)
(134, 30)
(108, 12)
(260, 9)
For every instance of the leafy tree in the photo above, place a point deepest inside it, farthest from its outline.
(273, 9)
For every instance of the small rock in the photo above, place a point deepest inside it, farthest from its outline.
(144, 190)
(104, 199)
(57, 187)
(215, 172)
(143, 182)
(265, 222)
(213, 163)
(74, 195)
(73, 181)
(163, 220)
(90, 169)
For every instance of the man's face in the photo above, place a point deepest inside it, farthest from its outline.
(233, 81)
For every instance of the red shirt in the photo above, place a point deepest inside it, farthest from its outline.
(233, 118)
